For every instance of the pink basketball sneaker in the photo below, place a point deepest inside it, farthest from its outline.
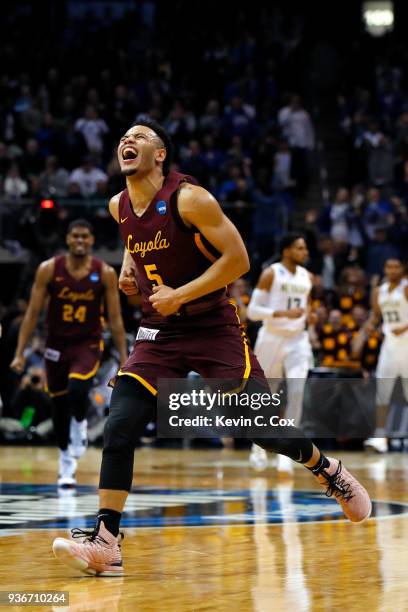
(351, 495)
(98, 554)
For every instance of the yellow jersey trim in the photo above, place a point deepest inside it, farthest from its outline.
(85, 376)
(142, 381)
(200, 245)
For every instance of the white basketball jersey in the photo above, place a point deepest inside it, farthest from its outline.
(394, 308)
(288, 291)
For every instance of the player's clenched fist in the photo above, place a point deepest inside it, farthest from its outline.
(18, 364)
(127, 281)
(165, 300)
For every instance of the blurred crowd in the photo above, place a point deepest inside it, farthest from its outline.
(238, 123)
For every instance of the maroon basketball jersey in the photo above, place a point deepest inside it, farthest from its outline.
(75, 307)
(164, 249)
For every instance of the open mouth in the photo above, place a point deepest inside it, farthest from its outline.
(129, 154)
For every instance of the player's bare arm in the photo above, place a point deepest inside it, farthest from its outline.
(311, 316)
(358, 341)
(37, 298)
(258, 309)
(401, 330)
(375, 315)
(200, 209)
(127, 276)
(115, 320)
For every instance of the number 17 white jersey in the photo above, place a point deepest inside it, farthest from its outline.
(394, 307)
(288, 291)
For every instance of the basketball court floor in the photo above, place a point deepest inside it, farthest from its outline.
(204, 532)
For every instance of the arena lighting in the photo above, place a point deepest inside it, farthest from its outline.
(378, 17)
(47, 204)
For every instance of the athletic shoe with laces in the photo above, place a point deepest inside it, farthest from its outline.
(379, 445)
(98, 554)
(258, 458)
(349, 493)
(66, 470)
(78, 437)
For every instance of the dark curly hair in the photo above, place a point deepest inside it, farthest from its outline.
(164, 137)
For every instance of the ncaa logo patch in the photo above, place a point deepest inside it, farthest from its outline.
(161, 207)
(94, 277)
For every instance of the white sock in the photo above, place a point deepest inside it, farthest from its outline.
(379, 432)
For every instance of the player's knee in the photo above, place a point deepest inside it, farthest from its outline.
(78, 397)
(117, 435)
(78, 390)
(130, 410)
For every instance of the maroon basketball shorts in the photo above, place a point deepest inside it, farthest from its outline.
(70, 359)
(213, 352)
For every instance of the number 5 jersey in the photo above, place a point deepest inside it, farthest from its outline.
(163, 248)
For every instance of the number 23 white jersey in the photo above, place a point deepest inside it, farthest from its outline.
(288, 291)
(394, 307)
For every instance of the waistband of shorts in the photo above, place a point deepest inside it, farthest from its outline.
(284, 333)
(393, 339)
(65, 341)
(187, 310)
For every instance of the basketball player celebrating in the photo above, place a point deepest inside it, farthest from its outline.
(76, 285)
(280, 301)
(390, 302)
(181, 253)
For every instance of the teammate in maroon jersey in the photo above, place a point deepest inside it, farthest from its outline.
(77, 286)
(181, 253)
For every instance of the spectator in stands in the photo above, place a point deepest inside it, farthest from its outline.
(335, 342)
(31, 117)
(282, 167)
(54, 179)
(15, 187)
(87, 177)
(47, 135)
(180, 123)
(325, 264)
(379, 250)
(70, 146)
(240, 211)
(398, 229)
(375, 212)
(239, 118)
(234, 173)
(380, 162)
(298, 129)
(193, 162)
(93, 129)
(266, 219)
(32, 162)
(211, 120)
(356, 233)
(122, 110)
(339, 230)
(213, 159)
